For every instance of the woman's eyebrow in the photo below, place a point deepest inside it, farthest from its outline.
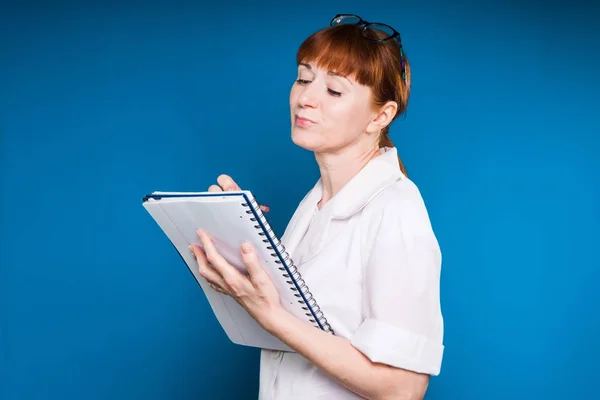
(330, 73)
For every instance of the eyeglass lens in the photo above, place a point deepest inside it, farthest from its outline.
(373, 31)
(346, 19)
(378, 31)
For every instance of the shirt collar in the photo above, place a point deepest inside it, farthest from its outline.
(376, 175)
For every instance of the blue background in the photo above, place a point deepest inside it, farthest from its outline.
(100, 104)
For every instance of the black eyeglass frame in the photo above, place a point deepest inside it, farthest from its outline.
(365, 25)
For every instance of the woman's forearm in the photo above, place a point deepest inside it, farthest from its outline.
(345, 364)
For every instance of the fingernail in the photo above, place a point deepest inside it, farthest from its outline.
(246, 248)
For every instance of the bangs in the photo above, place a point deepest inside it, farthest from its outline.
(343, 49)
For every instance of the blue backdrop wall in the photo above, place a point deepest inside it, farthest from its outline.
(100, 104)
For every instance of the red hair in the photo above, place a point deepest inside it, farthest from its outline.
(344, 49)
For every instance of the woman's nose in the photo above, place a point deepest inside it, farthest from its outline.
(308, 98)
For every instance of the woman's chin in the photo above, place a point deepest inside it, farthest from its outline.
(306, 139)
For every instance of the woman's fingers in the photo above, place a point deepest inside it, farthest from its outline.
(232, 278)
(255, 271)
(207, 271)
(217, 288)
(224, 183)
(227, 183)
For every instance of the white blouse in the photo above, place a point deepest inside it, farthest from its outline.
(371, 260)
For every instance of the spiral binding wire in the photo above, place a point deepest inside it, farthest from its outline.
(316, 316)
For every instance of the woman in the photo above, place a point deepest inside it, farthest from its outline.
(361, 237)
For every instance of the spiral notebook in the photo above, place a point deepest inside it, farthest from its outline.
(231, 218)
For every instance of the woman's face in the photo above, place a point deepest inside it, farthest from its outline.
(330, 112)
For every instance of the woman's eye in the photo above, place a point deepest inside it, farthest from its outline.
(333, 93)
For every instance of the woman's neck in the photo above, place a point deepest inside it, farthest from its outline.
(338, 169)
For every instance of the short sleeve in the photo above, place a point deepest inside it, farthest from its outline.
(403, 324)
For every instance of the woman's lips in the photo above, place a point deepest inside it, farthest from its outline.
(304, 122)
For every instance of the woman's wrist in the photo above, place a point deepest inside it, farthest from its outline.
(272, 320)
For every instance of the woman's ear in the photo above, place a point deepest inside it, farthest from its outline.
(383, 117)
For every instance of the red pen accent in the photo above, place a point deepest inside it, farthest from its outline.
(264, 208)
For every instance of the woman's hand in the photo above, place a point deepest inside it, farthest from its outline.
(254, 291)
(224, 184)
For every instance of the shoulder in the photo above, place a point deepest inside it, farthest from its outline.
(399, 213)
(401, 203)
